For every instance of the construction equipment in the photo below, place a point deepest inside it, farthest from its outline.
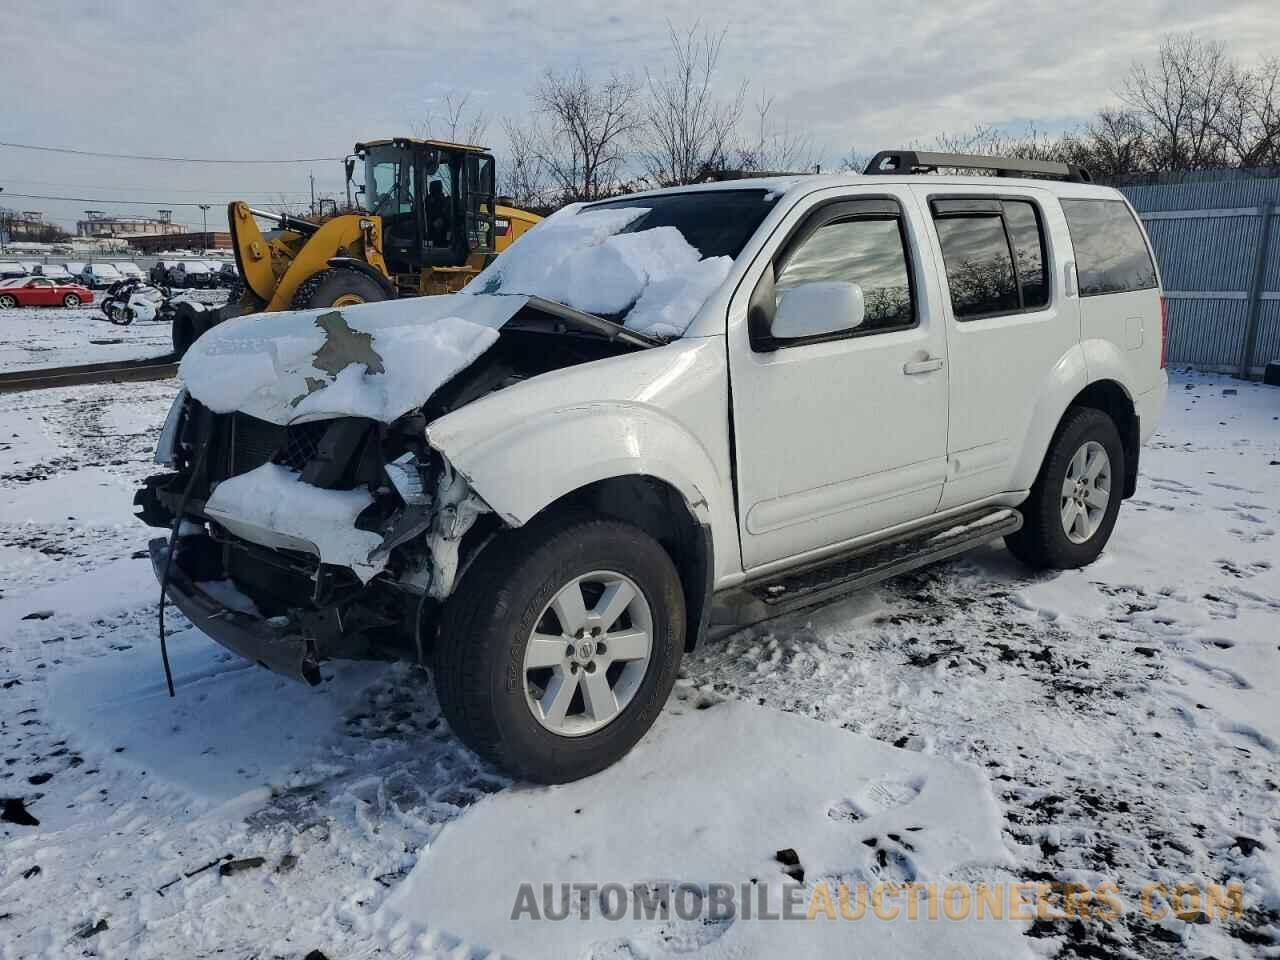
(425, 222)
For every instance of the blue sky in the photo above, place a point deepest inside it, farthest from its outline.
(242, 78)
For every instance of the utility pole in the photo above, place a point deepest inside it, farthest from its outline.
(204, 216)
(313, 193)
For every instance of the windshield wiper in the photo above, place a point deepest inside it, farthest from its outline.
(590, 323)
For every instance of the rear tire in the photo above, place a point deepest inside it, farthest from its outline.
(1072, 509)
(8, 302)
(187, 327)
(493, 694)
(71, 300)
(337, 287)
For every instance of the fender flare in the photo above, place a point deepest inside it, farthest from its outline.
(522, 469)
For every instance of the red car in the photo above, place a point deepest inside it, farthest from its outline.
(42, 292)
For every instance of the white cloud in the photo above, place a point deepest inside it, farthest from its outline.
(239, 78)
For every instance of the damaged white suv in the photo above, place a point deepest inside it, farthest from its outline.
(658, 416)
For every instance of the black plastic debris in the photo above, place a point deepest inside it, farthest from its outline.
(790, 861)
(15, 811)
(237, 866)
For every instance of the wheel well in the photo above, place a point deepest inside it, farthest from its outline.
(1111, 398)
(661, 511)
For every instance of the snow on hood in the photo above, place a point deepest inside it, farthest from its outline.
(581, 259)
(375, 360)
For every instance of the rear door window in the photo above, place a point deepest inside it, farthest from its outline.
(1111, 254)
(994, 253)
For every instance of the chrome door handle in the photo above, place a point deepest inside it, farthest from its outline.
(922, 366)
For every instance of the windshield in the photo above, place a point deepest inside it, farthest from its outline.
(389, 186)
(716, 222)
(646, 262)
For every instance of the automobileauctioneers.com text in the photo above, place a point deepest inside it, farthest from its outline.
(885, 901)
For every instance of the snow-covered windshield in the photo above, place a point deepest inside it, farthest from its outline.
(648, 262)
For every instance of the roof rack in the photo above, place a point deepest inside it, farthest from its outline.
(897, 162)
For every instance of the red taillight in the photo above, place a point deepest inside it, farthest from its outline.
(1164, 333)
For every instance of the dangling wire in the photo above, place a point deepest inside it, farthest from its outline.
(168, 560)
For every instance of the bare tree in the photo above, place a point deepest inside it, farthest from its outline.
(522, 175)
(776, 149)
(453, 121)
(1180, 101)
(687, 129)
(1250, 123)
(582, 129)
(1112, 144)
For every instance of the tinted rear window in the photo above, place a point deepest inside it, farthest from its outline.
(717, 222)
(979, 267)
(1111, 256)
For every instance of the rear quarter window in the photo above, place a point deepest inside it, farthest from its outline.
(1111, 254)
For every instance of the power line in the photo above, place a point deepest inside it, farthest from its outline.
(107, 200)
(204, 193)
(134, 156)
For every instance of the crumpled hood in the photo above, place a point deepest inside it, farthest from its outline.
(375, 360)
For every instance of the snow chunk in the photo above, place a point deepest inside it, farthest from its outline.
(275, 500)
(579, 258)
(667, 306)
(377, 360)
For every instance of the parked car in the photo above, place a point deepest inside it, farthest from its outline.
(159, 272)
(97, 276)
(43, 292)
(10, 270)
(747, 397)
(129, 270)
(190, 273)
(75, 268)
(55, 271)
(228, 275)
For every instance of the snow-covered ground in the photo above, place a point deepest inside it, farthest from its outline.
(966, 723)
(37, 337)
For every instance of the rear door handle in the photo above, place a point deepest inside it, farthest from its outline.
(915, 367)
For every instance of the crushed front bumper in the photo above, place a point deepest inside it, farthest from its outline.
(280, 644)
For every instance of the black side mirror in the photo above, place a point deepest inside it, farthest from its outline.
(351, 166)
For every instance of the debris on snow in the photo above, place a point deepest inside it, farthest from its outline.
(15, 811)
(232, 867)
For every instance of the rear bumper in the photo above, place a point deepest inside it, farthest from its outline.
(279, 644)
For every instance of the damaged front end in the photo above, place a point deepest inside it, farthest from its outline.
(307, 542)
(330, 535)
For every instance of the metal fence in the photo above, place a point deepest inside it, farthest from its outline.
(1216, 236)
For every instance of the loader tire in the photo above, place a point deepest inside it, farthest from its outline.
(337, 287)
(188, 324)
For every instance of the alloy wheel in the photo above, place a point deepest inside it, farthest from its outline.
(1086, 491)
(588, 653)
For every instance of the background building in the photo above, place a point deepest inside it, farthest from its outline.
(98, 225)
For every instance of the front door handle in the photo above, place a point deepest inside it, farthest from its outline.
(915, 367)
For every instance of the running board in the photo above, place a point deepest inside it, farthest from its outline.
(844, 573)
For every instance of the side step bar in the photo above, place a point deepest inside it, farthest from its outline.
(844, 573)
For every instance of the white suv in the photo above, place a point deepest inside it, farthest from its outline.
(657, 416)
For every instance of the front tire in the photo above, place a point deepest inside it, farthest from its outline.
(337, 287)
(8, 302)
(71, 300)
(1072, 509)
(560, 646)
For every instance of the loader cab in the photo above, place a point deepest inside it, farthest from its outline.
(436, 202)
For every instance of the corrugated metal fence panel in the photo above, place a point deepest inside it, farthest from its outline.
(1271, 273)
(1214, 253)
(1206, 333)
(1203, 196)
(1205, 253)
(1268, 343)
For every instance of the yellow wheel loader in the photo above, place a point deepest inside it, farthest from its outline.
(428, 222)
